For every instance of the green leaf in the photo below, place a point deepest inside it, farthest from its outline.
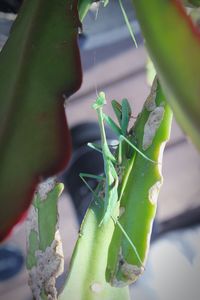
(116, 129)
(83, 8)
(117, 108)
(174, 46)
(128, 24)
(126, 115)
(40, 67)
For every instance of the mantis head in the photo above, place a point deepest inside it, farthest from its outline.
(100, 101)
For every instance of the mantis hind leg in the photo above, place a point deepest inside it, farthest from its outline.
(129, 240)
(136, 149)
(92, 176)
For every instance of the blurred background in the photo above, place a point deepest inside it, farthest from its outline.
(112, 63)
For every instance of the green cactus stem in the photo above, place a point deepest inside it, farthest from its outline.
(86, 279)
(139, 194)
(45, 261)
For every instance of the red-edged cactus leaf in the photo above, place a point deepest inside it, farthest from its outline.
(173, 42)
(40, 66)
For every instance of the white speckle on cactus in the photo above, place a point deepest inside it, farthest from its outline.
(151, 126)
(50, 264)
(96, 287)
(150, 103)
(45, 187)
(153, 192)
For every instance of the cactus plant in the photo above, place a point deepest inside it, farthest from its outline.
(86, 277)
(45, 260)
(139, 197)
(98, 254)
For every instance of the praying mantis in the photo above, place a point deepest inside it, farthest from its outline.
(114, 236)
(111, 185)
(118, 172)
(123, 114)
(111, 196)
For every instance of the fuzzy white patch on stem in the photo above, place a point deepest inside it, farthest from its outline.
(151, 126)
(154, 191)
(45, 187)
(130, 273)
(50, 264)
(150, 103)
(96, 287)
(126, 273)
